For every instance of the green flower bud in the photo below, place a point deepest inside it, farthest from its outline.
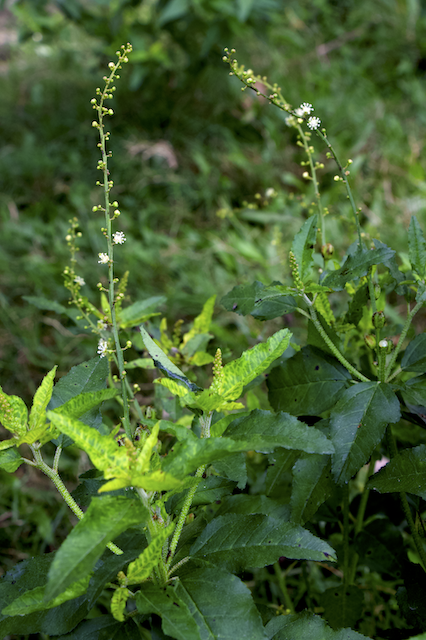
(379, 319)
(370, 341)
(327, 250)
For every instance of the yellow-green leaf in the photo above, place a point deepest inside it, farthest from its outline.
(118, 603)
(13, 413)
(41, 400)
(141, 568)
(202, 322)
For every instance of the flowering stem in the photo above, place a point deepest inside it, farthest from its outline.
(308, 150)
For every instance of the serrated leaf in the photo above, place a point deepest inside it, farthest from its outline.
(414, 358)
(308, 383)
(303, 247)
(140, 311)
(405, 472)
(265, 431)
(238, 373)
(163, 362)
(8, 444)
(306, 626)
(356, 265)
(13, 413)
(343, 605)
(357, 305)
(35, 599)
(103, 521)
(176, 618)
(79, 405)
(10, 460)
(141, 568)
(237, 542)
(312, 485)
(278, 474)
(417, 247)
(322, 305)
(358, 423)
(41, 400)
(262, 302)
(245, 504)
(201, 324)
(414, 391)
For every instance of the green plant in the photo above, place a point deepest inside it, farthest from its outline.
(195, 496)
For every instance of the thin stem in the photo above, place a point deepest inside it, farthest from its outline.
(308, 150)
(331, 344)
(281, 577)
(398, 347)
(346, 534)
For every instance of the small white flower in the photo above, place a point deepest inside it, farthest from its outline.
(304, 110)
(270, 192)
(314, 122)
(383, 344)
(119, 237)
(102, 325)
(102, 347)
(290, 121)
(79, 280)
(103, 258)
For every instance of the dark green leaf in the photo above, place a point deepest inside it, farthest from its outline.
(176, 618)
(308, 383)
(414, 358)
(238, 542)
(245, 504)
(48, 305)
(105, 518)
(306, 626)
(265, 431)
(264, 302)
(104, 627)
(417, 247)
(414, 391)
(303, 247)
(358, 423)
(278, 475)
(312, 486)
(380, 546)
(10, 460)
(34, 600)
(209, 490)
(342, 605)
(356, 266)
(357, 306)
(405, 472)
(233, 467)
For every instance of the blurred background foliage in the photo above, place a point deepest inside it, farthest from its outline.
(208, 178)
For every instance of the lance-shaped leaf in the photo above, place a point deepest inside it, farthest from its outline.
(207, 401)
(176, 618)
(312, 485)
(261, 301)
(79, 405)
(13, 414)
(41, 400)
(405, 472)
(251, 363)
(103, 521)
(139, 311)
(303, 247)
(358, 423)
(417, 247)
(141, 568)
(265, 431)
(308, 383)
(237, 542)
(163, 362)
(35, 599)
(201, 324)
(357, 265)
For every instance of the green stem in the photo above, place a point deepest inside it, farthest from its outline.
(331, 345)
(398, 347)
(283, 586)
(56, 479)
(405, 506)
(346, 535)
(308, 151)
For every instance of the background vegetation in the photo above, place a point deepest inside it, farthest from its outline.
(194, 162)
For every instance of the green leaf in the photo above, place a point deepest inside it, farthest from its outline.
(245, 504)
(35, 599)
(414, 391)
(103, 521)
(303, 247)
(141, 568)
(356, 265)
(163, 363)
(201, 325)
(176, 618)
(308, 383)
(312, 485)
(41, 400)
(306, 626)
(10, 460)
(405, 472)
(48, 305)
(79, 405)
(265, 431)
(278, 474)
(13, 413)
(140, 311)
(118, 602)
(252, 363)
(358, 423)
(227, 611)
(414, 358)
(357, 305)
(262, 302)
(417, 247)
(343, 605)
(209, 490)
(238, 542)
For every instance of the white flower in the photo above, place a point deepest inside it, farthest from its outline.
(119, 237)
(314, 122)
(103, 258)
(304, 110)
(290, 121)
(383, 344)
(270, 192)
(102, 347)
(102, 325)
(79, 280)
